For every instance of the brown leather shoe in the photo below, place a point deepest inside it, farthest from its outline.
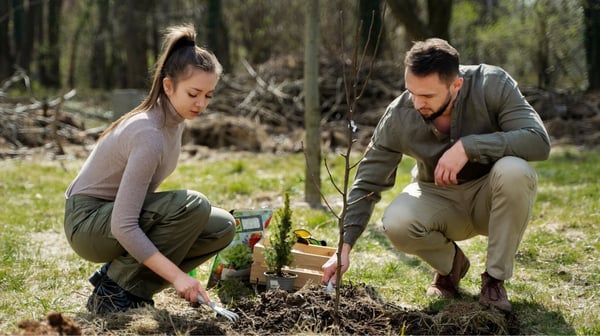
(446, 286)
(493, 293)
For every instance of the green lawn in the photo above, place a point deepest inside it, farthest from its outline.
(554, 289)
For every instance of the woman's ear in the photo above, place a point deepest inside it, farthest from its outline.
(168, 87)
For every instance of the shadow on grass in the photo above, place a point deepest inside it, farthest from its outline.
(153, 321)
(465, 316)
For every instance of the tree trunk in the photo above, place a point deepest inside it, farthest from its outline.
(218, 34)
(6, 56)
(81, 24)
(369, 16)
(439, 13)
(134, 39)
(49, 58)
(312, 111)
(98, 66)
(18, 16)
(591, 11)
(34, 11)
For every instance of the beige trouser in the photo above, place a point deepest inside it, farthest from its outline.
(181, 224)
(425, 219)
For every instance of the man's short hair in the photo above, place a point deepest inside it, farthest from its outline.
(431, 56)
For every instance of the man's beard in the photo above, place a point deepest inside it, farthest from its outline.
(439, 112)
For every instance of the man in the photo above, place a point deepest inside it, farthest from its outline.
(471, 132)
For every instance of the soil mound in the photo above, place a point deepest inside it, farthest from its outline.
(362, 312)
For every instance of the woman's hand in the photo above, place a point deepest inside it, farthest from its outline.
(188, 288)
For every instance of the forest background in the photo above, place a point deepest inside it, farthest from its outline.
(105, 44)
(298, 62)
(49, 48)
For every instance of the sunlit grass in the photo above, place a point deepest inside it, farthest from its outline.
(557, 271)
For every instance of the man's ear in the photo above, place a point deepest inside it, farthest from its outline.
(458, 82)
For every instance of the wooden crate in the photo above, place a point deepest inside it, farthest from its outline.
(307, 263)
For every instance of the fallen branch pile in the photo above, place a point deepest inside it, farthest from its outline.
(262, 109)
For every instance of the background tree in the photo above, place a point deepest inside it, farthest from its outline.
(99, 62)
(32, 19)
(217, 34)
(6, 59)
(423, 22)
(51, 50)
(312, 110)
(74, 45)
(591, 10)
(135, 20)
(540, 42)
(369, 14)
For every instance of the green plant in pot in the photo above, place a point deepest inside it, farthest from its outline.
(278, 251)
(238, 259)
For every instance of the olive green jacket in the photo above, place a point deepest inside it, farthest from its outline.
(491, 118)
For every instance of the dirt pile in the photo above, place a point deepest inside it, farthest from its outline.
(362, 312)
(55, 324)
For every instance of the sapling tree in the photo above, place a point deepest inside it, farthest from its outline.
(354, 90)
(278, 253)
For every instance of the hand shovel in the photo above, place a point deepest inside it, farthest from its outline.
(231, 316)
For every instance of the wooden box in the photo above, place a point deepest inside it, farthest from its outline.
(307, 263)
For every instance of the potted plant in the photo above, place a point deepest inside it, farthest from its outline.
(237, 260)
(278, 251)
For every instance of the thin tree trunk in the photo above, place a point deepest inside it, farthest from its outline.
(6, 56)
(312, 111)
(369, 16)
(134, 39)
(591, 11)
(81, 24)
(49, 59)
(99, 72)
(218, 34)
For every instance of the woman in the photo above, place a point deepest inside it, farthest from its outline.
(113, 213)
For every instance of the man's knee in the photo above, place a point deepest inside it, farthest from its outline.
(398, 226)
(513, 171)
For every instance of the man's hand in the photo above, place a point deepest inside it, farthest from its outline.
(450, 164)
(330, 266)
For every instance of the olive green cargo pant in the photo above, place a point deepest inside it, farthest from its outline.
(425, 219)
(181, 224)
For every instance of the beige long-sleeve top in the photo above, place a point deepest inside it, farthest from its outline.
(127, 164)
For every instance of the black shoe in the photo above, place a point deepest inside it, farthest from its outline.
(109, 297)
(97, 277)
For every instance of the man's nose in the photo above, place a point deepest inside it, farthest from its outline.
(418, 102)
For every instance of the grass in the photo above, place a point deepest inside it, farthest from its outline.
(554, 289)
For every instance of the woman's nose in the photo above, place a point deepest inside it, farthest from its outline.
(201, 102)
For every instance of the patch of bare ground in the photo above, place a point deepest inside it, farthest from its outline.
(309, 310)
(363, 312)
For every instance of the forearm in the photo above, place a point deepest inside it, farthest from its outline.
(360, 209)
(528, 144)
(164, 267)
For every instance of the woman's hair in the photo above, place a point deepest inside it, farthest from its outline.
(179, 57)
(431, 56)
